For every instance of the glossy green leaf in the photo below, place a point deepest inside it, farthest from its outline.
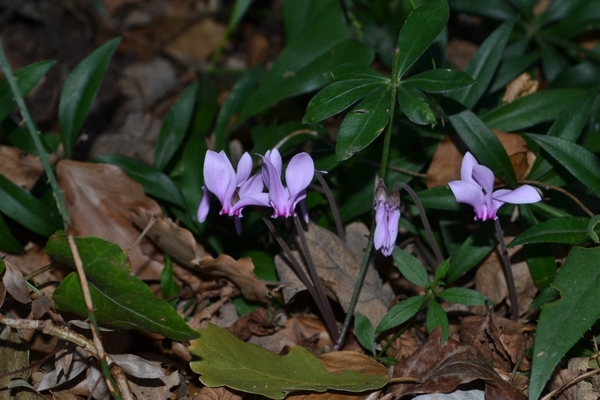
(174, 127)
(440, 80)
(191, 174)
(155, 183)
(558, 10)
(579, 161)
(324, 43)
(363, 124)
(553, 61)
(567, 230)
(27, 77)
(484, 145)
(579, 20)
(364, 332)
(592, 228)
(355, 72)
(473, 250)
(420, 29)
(22, 207)
(483, 65)
(168, 286)
(468, 297)
(442, 269)
(436, 316)
(531, 110)
(511, 68)
(494, 9)
(260, 371)
(410, 267)
(337, 97)
(401, 312)
(414, 105)
(239, 10)
(120, 299)
(568, 126)
(299, 16)
(562, 323)
(79, 91)
(438, 198)
(8, 241)
(546, 296)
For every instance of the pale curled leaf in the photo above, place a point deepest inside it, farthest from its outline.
(15, 283)
(180, 243)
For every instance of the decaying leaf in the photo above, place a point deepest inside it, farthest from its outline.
(338, 264)
(98, 198)
(521, 86)
(14, 356)
(20, 167)
(446, 162)
(256, 323)
(180, 244)
(14, 283)
(588, 389)
(219, 393)
(442, 367)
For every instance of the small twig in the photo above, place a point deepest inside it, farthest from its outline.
(393, 168)
(149, 226)
(571, 383)
(295, 133)
(334, 210)
(312, 270)
(561, 190)
(510, 280)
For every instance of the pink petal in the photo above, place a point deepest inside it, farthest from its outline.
(393, 220)
(254, 199)
(469, 193)
(252, 185)
(484, 177)
(466, 168)
(522, 195)
(298, 175)
(278, 195)
(219, 176)
(244, 168)
(275, 157)
(204, 205)
(381, 231)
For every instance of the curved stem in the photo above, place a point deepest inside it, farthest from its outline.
(432, 241)
(510, 280)
(334, 210)
(561, 190)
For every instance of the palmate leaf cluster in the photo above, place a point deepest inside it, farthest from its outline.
(411, 89)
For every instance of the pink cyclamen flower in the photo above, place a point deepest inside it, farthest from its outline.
(387, 216)
(298, 175)
(476, 185)
(235, 190)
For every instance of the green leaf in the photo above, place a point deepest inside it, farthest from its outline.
(337, 97)
(401, 312)
(168, 286)
(531, 110)
(8, 241)
(365, 332)
(420, 29)
(553, 62)
(473, 250)
(79, 91)
(591, 228)
(562, 323)
(239, 10)
(120, 299)
(415, 106)
(232, 104)
(511, 68)
(468, 297)
(436, 316)
(27, 77)
(440, 80)
(21, 206)
(363, 124)
(155, 183)
(260, 371)
(579, 161)
(494, 9)
(174, 127)
(438, 198)
(546, 296)
(484, 145)
(483, 65)
(410, 267)
(324, 43)
(568, 126)
(579, 20)
(355, 72)
(442, 269)
(567, 230)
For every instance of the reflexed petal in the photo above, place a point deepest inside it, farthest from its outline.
(466, 168)
(484, 177)
(204, 205)
(469, 193)
(219, 176)
(244, 168)
(253, 199)
(252, 185)
(275, 157)
(278, 195)
(522, 195)
(299, 174)
(304, 211)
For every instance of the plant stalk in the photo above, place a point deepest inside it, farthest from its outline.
(510, 280)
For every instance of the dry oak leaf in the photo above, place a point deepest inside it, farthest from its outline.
(338, 265)
(256, 323)
(446, 162)
(521, 86)
(441, 368)
(20, 167)
(181, 245)
(219, 393)
(99, 198)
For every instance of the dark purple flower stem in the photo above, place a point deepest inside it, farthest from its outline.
(424, 220)
(510, 280)
(334, 210)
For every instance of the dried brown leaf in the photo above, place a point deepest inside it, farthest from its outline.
(220, 393)
(190, 42)
(442, 367)
(20, 167)
(41, 306)
(338, 265)
(521, 86)
(14, 282)
(180, 244)
(99, 198)
(256, 323)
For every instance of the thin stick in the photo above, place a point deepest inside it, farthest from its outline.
(312, 270)
(334, 210)
(563, 191)
(571, 383)
(510, 280)
(432, 241)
